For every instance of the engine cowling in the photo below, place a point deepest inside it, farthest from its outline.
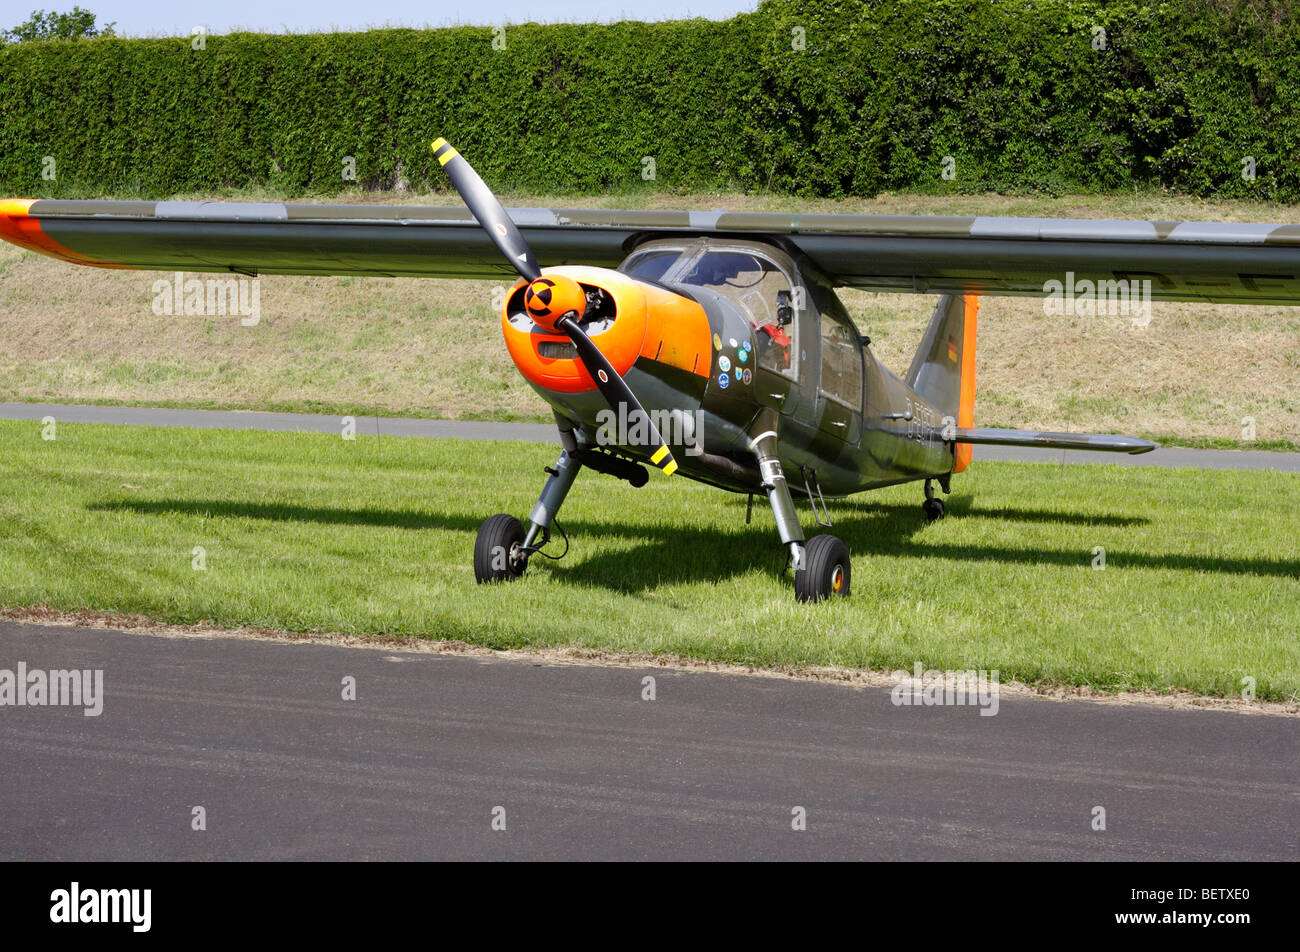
(626, 318)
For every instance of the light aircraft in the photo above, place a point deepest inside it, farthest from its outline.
(709, 345)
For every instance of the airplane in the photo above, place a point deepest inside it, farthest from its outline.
(709, 345)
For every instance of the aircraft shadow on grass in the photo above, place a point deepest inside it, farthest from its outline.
(671, 553)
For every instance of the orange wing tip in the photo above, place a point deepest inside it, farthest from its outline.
(16, 224)
(16, 206)
(19, 227)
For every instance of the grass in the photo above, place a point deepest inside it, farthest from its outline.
(307, 532)
(353, 346)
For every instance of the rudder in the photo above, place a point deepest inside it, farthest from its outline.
(943, 369)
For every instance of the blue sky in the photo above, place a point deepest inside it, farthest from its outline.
(171, 18)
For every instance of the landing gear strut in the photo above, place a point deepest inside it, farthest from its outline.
(933, 506)
(502, 548)
(821, 566)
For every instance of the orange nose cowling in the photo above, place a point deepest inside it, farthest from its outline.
(649, 322)
(620, 343)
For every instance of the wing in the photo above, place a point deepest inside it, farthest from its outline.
(1186, 261)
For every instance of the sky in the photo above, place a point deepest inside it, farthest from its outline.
(172, 18)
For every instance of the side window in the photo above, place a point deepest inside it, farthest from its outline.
(777, 346)
(841, 362)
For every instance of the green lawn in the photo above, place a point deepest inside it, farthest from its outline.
(309, 532)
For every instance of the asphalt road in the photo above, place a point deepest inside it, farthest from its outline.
(257, 734)
(546, 433)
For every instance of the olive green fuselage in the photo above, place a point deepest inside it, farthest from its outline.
(845, 443)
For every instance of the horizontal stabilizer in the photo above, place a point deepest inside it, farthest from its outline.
(1056, 441)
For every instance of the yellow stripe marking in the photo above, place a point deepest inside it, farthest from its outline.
(659, 454)
(446, 156)
(670, 468)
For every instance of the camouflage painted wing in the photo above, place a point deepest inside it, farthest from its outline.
(1192, 261)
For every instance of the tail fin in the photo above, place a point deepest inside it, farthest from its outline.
(943, 370)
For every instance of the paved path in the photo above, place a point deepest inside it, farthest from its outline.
(546, 433)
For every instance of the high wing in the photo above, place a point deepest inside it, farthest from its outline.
(1221, 262)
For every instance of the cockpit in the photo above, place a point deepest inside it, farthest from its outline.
(756, 285)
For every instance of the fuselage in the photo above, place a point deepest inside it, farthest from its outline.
(722, 341)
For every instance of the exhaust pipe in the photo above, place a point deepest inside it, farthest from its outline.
(612, 465)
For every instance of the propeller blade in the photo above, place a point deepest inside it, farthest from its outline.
(501, 229)
(489, 212)
(616, 391)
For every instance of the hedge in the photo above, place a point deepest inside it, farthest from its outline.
(814, 97)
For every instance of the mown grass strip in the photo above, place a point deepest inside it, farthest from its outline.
(306, 532)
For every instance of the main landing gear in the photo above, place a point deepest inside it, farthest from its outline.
(821, 567)
(933, 506)
(826, 570)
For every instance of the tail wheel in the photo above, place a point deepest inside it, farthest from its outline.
(499, 550)
(826, 570)
(933, 509)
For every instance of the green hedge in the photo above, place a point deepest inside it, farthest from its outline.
(877, 96)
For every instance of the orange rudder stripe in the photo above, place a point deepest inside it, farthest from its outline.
(966, 408)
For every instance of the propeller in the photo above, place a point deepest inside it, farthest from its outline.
(546, 296)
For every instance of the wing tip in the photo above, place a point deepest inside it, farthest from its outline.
(20, 227)
(16, 206)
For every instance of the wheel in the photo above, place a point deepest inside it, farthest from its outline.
(826, 570)
(933, 509)
(498, 550)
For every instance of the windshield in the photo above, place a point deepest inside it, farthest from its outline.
(750, 281)
(652, 265)
(759, 288)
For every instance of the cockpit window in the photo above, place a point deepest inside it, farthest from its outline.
(761, 290)
(652, 265)
(742, 277)
(841, 362)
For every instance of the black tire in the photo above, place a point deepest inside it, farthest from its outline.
(826, 572)
(497, 550)
(933, 508)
